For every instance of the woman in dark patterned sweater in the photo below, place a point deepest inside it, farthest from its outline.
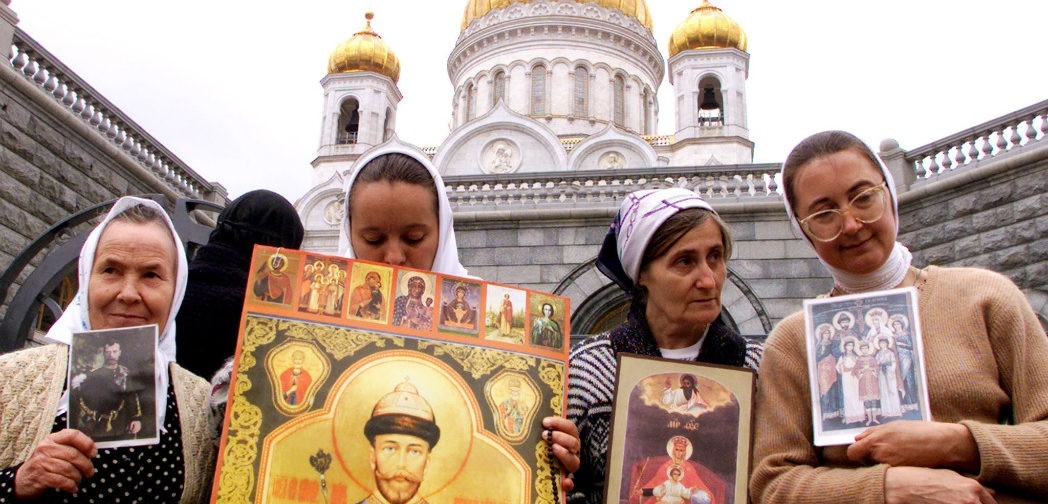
(668, 249)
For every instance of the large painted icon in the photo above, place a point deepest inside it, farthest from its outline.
(391, 410)
(865, 363)
(680, 433)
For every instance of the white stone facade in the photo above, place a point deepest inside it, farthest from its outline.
(542, 87)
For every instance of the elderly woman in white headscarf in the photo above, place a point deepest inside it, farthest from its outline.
(132, 272)
(984, 349)
(669, 250)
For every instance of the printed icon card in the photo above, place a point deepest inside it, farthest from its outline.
(113, 386)
(865, 363)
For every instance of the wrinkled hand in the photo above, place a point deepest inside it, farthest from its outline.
(918, 444)
(566, 446)
(134, 427)
(933, 486)
(60, 461)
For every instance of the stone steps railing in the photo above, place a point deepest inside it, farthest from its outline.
(603, 187)
(991, 139)
(48, 73)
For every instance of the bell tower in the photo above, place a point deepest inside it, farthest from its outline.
(360, 100)
(708, 68)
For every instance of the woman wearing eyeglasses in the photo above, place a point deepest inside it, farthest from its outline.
(985, 358)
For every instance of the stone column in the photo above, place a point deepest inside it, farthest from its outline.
(895, 159)
(8, 21)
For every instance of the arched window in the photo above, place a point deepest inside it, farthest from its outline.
(648, 99)
(471, 101)
(619, 100)
(538, 90)
(387, 127)
(710, 103)
(498, 87)
(348, 122)
(581, 101)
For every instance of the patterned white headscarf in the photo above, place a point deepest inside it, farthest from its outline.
(446, 260)
(640, 215)
(889, 274)
(76, 317)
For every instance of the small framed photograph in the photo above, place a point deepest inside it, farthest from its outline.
(113, 386)
(865, 363)
(680, 432)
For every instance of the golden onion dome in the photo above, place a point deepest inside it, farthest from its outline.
(365, 51)
(634, 8)
(707, 27)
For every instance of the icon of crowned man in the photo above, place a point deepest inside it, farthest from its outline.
(402, 431)
(703, 484)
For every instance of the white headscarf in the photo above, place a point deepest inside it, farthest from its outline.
(640, 215)
(446, 260)
(894, 269)
(75, 318)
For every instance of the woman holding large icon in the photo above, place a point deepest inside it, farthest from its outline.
(668, 249)
(397, 212)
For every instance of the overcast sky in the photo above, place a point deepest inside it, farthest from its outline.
(232, 87)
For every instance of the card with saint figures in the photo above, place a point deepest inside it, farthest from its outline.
(364, 382)
(865, 363)
(113, 386)
(680, 432)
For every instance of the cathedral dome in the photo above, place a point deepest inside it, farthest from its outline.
(365, 51)
(707, 27)
(634, 8)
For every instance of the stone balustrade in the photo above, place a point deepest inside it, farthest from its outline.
(601, 188)
(40, 67)
(986, 141)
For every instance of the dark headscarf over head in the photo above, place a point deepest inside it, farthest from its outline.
(258, 217)
(209, 320)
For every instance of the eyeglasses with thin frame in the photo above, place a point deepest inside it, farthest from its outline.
(866, 207)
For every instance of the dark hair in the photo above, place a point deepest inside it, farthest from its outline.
(816, 146)
(402, 424)
(667, 235)
(552, 310)
(394, 167)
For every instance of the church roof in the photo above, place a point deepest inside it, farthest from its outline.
(365, 51)
(707, 27)
(634, 8)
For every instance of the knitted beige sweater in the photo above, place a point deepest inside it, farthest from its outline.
(985, 352)
(31, 382)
